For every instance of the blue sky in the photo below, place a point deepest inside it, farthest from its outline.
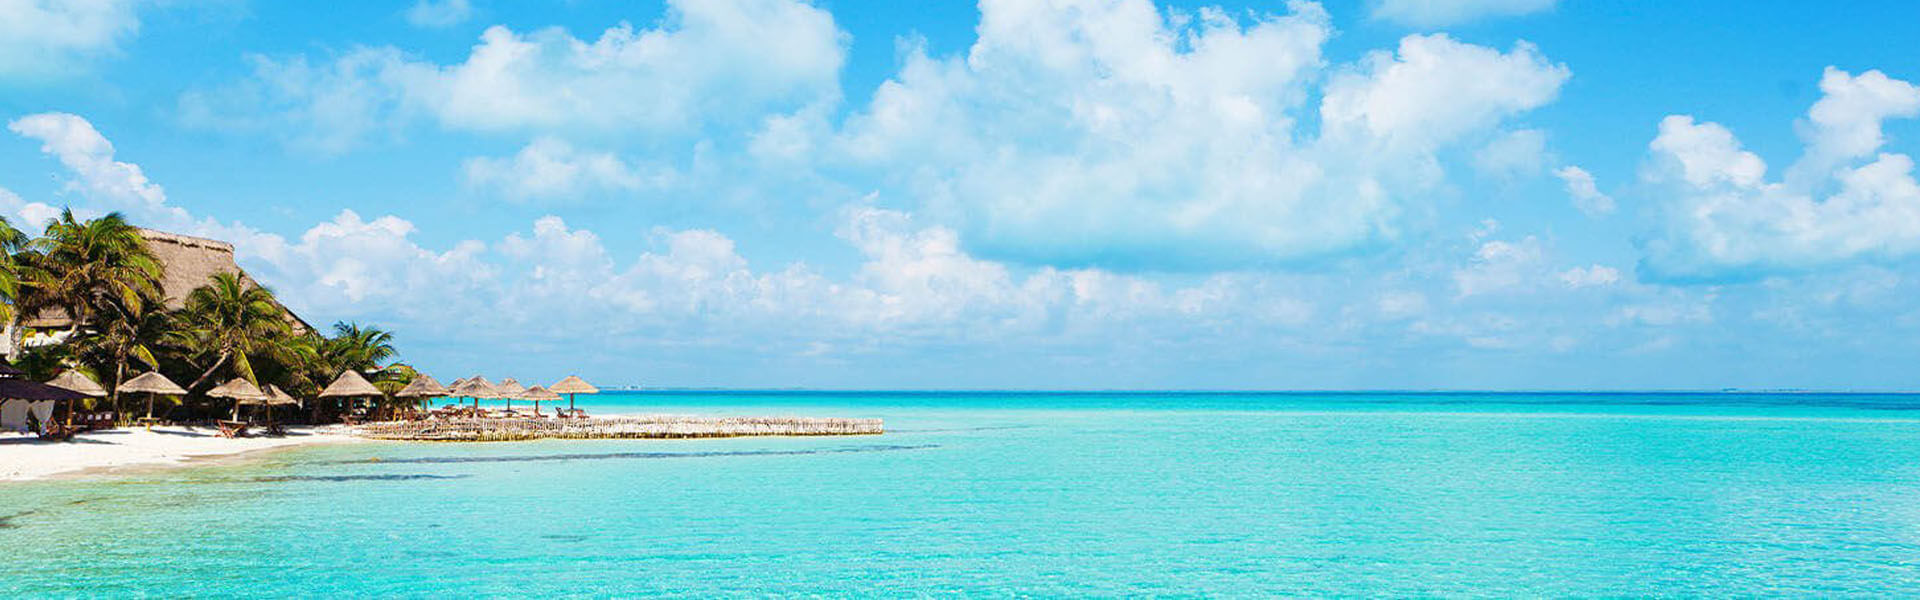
(1390, 194)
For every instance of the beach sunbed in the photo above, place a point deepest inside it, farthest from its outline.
(232, 429)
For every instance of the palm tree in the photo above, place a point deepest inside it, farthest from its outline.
(358, 348)
(130, 336)
(99, 268)
(232, 322)
(11, 242)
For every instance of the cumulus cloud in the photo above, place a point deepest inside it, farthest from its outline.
(46, 38)
(550, 168)
(439, 13)
(1080, 133)
(90, 158)
(708, 61)
(1441, 13)
(1586, 194)
(1841, 202)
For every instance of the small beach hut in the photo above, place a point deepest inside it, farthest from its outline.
(573, 384)
(351, 384)
(538, 394)
(509, 389)
(422, 387)
(152, 382)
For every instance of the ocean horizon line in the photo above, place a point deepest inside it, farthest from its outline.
(1271, 391)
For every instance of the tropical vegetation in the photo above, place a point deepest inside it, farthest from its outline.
(103, 276)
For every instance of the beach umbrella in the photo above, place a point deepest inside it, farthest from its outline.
(350, 384)
(537, 394)
(240, 391)
(573, 384)
(269, 398)
(152, 382)
(423, 386)
(476, 387)
(79, 382)
(510, 389)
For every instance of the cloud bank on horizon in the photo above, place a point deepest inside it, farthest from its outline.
(1081, 193)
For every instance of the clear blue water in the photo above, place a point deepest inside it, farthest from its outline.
(1004, 494)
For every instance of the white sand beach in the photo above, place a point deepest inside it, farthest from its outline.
(25, 457)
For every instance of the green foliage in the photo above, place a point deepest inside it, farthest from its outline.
(101, 274)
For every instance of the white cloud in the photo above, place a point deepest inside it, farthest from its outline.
(1435, 89)
(1107, 133)
(90, 158)
(49, 38)
(1592, 276)
(439, 13)
(1500, 265)
(1441, 13)
(1726, 218)
(1515, 154)
(708, 61)
(550, 168)
(28, 217)
(1586, 194)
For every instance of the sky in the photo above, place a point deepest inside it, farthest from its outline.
(1032, 194)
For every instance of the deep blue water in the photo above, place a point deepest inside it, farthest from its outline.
(1045, 494)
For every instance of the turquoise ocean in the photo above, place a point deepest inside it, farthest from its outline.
(1039, 494)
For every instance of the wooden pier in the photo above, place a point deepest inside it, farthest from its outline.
(604, 428)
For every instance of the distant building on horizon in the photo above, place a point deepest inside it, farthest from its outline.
(188, 263)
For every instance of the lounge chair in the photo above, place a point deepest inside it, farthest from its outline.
(232, 429)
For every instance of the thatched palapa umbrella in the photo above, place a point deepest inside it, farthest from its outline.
(509, 389)
(350, 384)
(475, 387)
(239, 390)
(79, 382)
(271, 397)
(573, 384)
(537, 394)
(422, 387)
(152, 382)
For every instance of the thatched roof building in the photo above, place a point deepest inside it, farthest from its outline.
(190, 262)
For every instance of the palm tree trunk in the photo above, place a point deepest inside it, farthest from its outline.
(119, 373)
(209, 372)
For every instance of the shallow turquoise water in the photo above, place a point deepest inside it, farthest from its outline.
(1041, 494)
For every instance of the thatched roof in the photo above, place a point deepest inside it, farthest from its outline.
(189, 263)
(475, 387)
(151, 382)
(349, 384)
(539, 394)
(422, 386)
(79, 382)
(279, 397)
(509, 388)
(238, 388)
(573, 384)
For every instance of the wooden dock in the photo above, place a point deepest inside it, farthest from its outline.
(605, 428)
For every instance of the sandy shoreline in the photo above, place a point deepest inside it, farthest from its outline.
(26, 458)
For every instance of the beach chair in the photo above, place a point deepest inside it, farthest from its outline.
(232, 429)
